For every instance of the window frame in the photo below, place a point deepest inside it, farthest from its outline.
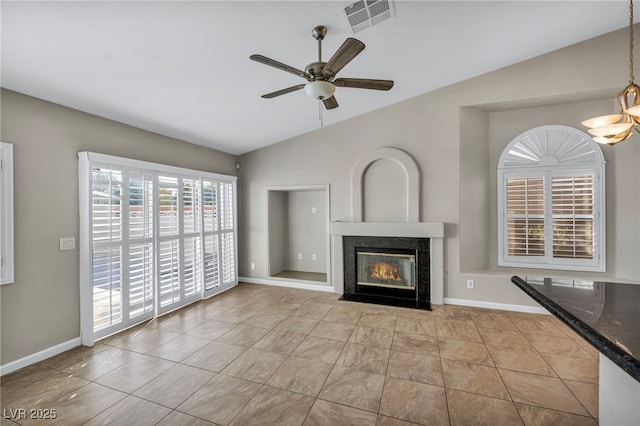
(6, 214)
(130, 170)
(546, 152)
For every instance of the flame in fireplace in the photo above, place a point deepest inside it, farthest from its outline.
(383, 271)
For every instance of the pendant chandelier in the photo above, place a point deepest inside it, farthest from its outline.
(611, 129)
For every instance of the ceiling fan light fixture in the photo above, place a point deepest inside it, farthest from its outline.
(320, 89)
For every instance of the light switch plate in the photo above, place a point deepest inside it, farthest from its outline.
(67, 243)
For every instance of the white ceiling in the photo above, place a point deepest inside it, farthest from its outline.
(182, 68)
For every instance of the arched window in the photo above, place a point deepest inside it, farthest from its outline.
(551, 201)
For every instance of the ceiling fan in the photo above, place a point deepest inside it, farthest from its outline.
(320, 75)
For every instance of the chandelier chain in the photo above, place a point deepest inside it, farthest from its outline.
(631, 79)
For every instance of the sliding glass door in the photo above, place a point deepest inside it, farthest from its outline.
(153, 238)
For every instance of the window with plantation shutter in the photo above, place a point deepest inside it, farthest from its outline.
(551, 201)
(6, 213)
(153, 238)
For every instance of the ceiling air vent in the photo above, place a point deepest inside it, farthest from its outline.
(367, 13)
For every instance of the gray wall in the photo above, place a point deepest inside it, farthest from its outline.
(293, 229)
(278, 218)
(385, 192)
(455, 135)
(41, 308)
(307, 231)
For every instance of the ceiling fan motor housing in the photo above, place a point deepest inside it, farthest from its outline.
(315, 69)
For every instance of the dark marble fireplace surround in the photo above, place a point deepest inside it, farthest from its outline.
(418, 298)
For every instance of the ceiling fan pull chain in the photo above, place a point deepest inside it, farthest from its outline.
(320, 113)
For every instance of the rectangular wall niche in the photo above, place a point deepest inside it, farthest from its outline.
(387, 270)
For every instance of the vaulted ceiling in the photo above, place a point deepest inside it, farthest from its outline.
(182, 68)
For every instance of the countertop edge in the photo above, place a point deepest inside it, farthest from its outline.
(605, 346)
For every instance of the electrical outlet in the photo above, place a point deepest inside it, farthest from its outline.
(314, 210)
(68, 243)
(314, 257)
(471, 284)
(253, 266)
(299, 256)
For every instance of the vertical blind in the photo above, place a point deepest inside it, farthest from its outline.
(155, 238)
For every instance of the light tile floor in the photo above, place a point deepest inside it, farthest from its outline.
(258, 355)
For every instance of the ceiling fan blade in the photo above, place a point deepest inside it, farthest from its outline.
(330, 103)
(283, 91)
(349, 50)
(281, 66)
(364, 83)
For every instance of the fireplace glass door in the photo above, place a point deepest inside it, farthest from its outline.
(389, 269)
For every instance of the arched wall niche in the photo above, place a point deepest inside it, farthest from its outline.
(370, 169)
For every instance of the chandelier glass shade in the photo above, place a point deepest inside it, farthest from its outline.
(614, 128)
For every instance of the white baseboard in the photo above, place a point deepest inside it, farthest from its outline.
(305, 285)
(492, 305)
(39, 356)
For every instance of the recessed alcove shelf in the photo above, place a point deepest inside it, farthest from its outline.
(298, 229)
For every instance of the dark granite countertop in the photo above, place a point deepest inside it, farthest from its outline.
(606, 314)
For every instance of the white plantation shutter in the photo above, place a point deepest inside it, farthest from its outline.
(6, 214)
(226, 206)
(106, 235)
(169, 265)
(141, 278)
(140, 269)
(152, 239)
(192, 240)
(168, 200)
(169, 272)
(573, 216)
(192, 266)
(227, 225)
(211, 227)
(228, 258)
(211, 262)
(551, 201)
(107, 288)
(525, 216)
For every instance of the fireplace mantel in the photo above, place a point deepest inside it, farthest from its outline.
(434, 231)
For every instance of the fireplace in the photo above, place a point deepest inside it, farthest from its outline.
(387, 270)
